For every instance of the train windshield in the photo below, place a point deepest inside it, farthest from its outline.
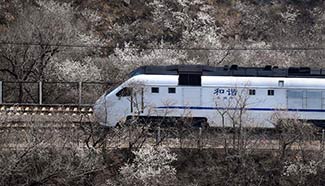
(137, 71)
(111, 88)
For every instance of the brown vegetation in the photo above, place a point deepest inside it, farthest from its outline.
(53, 40)
(91, 155)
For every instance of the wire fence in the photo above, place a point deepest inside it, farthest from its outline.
(50, 93)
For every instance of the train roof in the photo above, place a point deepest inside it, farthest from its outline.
(233, 70)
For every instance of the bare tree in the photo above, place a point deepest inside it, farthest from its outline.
(38, 35)
(293, 134)
(42, 37)
(45, 155)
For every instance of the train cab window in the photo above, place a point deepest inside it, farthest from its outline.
(171, 90)
(270, 92)
(126, 91)
(154, 90)
(252, 92)
(189, 79)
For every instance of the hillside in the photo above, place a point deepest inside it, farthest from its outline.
(134, 33)
(226, 126)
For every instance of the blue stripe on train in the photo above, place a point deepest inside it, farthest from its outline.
(253, 109)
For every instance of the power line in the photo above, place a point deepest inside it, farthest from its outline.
(52, 45)
(166, 48)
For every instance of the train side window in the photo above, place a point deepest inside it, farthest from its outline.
(270, 92)
(295, 99)
(314, 99)
(252, 92)
(172, 90)
(154, 90)
(126, 91)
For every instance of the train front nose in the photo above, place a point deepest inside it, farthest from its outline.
(100, 110)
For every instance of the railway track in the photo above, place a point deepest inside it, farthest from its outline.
(44, 116)
(269, 145)
(14, 109)
(65, 117)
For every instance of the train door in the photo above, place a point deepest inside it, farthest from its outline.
(137, 102)
(191, 96)
(191, 88)
(295, 99)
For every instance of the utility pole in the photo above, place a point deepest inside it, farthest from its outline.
(1, 92)
(40, 92)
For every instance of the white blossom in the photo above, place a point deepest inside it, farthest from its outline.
(151, 166)
(89, 39)
(93, 16)
(128, 58)
(300, 168)
(60, 9)
(290, 15)
(72, 70)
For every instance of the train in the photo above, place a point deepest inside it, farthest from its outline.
(216, 96)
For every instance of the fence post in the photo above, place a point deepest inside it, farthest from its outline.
(40, 92)
(1, 92)
(80, 93)
(130, 136)
(322, 143)
(199, 139)
(158, 136)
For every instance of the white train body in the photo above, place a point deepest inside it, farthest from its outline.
(222, 99)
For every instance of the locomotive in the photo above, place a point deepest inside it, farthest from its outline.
(217, 96)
